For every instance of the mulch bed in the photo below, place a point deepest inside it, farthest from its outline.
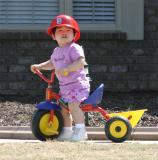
(17, 111)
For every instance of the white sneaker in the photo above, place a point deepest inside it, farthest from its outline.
(65, 135)
(79, 134)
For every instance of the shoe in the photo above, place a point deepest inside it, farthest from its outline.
(79, 134)
(65, 135)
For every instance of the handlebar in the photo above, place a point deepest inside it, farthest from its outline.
(43, 77)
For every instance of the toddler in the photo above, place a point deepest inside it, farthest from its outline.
(68, 60)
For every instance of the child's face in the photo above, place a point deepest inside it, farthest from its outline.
(63, 35)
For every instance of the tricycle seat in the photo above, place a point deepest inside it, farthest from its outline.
(96, 97)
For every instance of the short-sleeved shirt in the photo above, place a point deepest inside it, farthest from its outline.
(76, 82)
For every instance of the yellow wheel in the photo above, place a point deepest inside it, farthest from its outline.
(42, 128)
(48, 128)
(118, 129)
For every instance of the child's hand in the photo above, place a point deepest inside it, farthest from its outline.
(35, 66)
(63, 72)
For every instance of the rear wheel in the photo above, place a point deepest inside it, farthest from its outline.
(118, 129)
(42, 128)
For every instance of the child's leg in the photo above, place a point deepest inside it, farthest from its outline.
(67, 118)
(67, 129)
(78, 117)
(76, 112)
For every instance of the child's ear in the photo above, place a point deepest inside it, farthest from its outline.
(53, 37)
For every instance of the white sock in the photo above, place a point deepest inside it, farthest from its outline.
(80, 125)
(67, 128)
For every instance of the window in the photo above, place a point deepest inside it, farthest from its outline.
(25, 14)
(95, 15)
(92, 15)
(90, 11)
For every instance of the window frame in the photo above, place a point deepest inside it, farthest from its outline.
(29, 27)
(125, 11)
(98, 27)
(129, 19)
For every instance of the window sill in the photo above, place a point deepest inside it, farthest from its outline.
(43, 36)
(104, 36)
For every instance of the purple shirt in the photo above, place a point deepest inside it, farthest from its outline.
(63, 56)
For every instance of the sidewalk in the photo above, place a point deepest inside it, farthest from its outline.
(94, 133)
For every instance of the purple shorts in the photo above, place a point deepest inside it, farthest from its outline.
(74, 95)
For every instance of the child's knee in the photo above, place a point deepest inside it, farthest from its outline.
(65, 112)
(74, 106)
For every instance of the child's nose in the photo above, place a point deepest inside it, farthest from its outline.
(64, 32)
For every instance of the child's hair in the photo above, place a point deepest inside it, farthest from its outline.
(53, 30)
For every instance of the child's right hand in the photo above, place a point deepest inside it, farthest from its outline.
(35, 66)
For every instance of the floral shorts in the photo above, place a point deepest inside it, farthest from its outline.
(75, 95)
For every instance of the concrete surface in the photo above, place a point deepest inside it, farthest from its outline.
(94, 133)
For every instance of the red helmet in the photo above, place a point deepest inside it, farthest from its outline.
(64, 20)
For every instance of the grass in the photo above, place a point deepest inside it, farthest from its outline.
(78, 151)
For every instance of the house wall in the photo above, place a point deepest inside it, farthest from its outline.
(120, 64)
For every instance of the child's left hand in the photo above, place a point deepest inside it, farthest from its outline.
(62, 72)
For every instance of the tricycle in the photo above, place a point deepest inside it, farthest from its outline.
(47, 121)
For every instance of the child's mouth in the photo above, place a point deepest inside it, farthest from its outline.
(64, 36)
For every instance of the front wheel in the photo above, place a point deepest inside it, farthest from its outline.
(42, 128)
(118, 129)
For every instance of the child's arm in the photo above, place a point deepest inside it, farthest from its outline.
(42, 66)
(76, 65)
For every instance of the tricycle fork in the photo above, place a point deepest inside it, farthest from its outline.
(51, 118)
(50, 123)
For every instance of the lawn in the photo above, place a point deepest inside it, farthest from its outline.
(54, 150)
